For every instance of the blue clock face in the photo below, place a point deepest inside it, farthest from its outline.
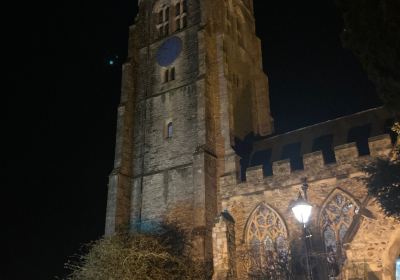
(169, 51)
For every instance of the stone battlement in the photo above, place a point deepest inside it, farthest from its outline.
(347, 160)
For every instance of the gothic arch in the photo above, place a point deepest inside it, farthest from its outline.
(266, 238)
(256, 211)
(335, 218)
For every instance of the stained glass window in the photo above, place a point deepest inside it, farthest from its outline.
(268, 247)
(335, 220)
(398, 268)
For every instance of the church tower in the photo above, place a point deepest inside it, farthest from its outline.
(192, 84)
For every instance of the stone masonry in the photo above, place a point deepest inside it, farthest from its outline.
(218, 92)
(178, 125)
(372, 243)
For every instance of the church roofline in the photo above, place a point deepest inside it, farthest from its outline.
(368, 111)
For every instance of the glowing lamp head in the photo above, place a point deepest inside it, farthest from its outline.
(302, 211)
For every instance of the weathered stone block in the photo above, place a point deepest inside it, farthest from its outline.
(313, 161)
(281, 167)
(254, 174)
(228, 180)
(380, 146)
(346, 153)
(224, 246)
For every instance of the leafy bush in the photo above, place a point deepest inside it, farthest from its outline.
(384, 184)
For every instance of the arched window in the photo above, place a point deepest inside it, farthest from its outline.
(169, 130)
(335, 219)
(268, 249)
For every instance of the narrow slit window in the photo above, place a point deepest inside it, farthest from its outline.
(160, 17)
(177, 9)
(398, 268)
(184, 6)
(169, 130)
(166, 76)
(177, 24)
(184, 22)
(166, 14)
(172, 74)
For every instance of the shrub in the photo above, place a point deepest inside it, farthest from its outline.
(135, 256)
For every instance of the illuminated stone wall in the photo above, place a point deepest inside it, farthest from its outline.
(371, 241)
(219, 93)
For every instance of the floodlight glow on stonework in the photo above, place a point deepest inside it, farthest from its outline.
(302, 211)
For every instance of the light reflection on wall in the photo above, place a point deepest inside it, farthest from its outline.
(398, 269)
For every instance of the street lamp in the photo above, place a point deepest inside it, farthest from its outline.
(302, 212)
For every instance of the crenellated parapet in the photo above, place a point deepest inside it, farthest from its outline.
(335, 189)
(347, 160)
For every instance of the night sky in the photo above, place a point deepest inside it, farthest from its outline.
(62, 106)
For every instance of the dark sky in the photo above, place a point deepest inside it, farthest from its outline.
(63, 95)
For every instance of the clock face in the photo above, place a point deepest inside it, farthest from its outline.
(169, 51)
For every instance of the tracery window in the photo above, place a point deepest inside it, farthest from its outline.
(268, 249)
(335, 219)
(180, 15)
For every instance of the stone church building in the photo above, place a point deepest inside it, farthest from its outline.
(193, 87)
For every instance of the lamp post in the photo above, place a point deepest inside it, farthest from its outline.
(302, 212)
